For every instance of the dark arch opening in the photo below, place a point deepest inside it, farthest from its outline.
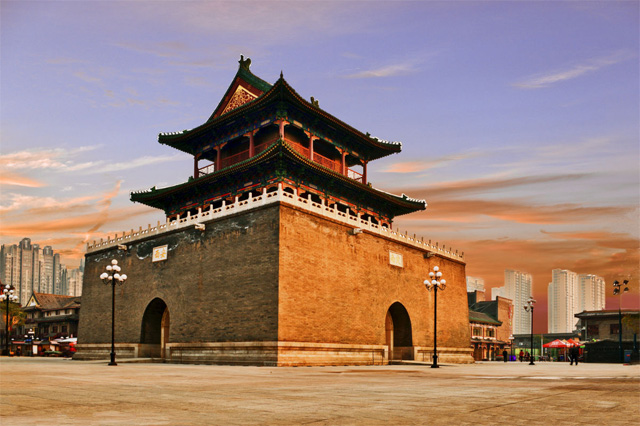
(155, 329)
(398, 332)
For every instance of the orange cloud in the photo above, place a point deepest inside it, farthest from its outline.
(482, 186)
(514, 211)
(419, 166)
(14, 179)
(68, 224)
(406, 167)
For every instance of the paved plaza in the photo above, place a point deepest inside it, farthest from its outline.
(37, 391)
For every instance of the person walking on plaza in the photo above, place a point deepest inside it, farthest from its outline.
(505, 354)
(521, 355)
(574, 353)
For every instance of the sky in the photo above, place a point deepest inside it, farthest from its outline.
(519, 120)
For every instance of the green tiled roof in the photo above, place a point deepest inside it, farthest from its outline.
(475, 316)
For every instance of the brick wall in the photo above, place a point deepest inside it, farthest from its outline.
(273, 274)
(219, 285)
(337, 288)
(504, 306)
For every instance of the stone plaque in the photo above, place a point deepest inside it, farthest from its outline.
(160, 253)
(395, 259)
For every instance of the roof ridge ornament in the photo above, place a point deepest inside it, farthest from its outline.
(315, 102)
(244, 63)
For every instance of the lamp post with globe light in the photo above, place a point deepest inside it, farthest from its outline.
(434, 283)
(8, 296)
(529, 307)
(112, 276)
(617, 291)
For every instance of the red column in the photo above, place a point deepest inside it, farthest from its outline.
(217, 158)
(364, 172)
(251, 145)
(281, 123)
(311, 139)
(343, 163)
(196, 172)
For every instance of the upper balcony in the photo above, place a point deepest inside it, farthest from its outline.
(313, 148)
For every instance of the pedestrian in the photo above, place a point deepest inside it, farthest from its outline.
(574, 353)
(521, 355)
(505, 354)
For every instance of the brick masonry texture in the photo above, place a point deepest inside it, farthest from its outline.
(336, 287)
(273, 274)
(219, 285)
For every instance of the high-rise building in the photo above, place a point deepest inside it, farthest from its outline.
(563, 302)
(517, 287)
(26, 270)
(30, 269)
(46, 271)
(591, 293)
(57, 274)
(474, 283)
(11, 261)
(36, 265)
(497, 292)
(75, 282)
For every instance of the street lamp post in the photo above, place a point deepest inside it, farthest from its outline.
(511, 344)
(434, 283)
(113, 277)
(529, 307)
(9, 296)
(617, 291)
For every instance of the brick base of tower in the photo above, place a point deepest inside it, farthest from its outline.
(274, 285)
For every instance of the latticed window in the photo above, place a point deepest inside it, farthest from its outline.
(477, 331)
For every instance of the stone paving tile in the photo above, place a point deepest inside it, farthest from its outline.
(54, 391)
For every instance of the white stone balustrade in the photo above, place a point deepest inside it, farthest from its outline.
(265, 198)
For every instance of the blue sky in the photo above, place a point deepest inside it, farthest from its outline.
(519, 120)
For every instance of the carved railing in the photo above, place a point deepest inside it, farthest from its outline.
(305, 152)
(264, 198)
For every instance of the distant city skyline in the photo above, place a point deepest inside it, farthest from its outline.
(29, 268)
(519, 120)
(570, 293)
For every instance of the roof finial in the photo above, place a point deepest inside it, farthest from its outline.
(244, 63)
(281, 75)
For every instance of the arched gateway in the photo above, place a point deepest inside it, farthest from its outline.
(155, 329)
(398, 333)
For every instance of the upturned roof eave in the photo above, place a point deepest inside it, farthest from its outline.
(364, 138)
(178, 139)
(149, 196)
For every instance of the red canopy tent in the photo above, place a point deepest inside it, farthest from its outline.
(556, 344)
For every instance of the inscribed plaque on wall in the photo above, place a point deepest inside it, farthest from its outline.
(160, 253)
(395, 259)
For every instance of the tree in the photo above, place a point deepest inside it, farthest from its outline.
(16, 315)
